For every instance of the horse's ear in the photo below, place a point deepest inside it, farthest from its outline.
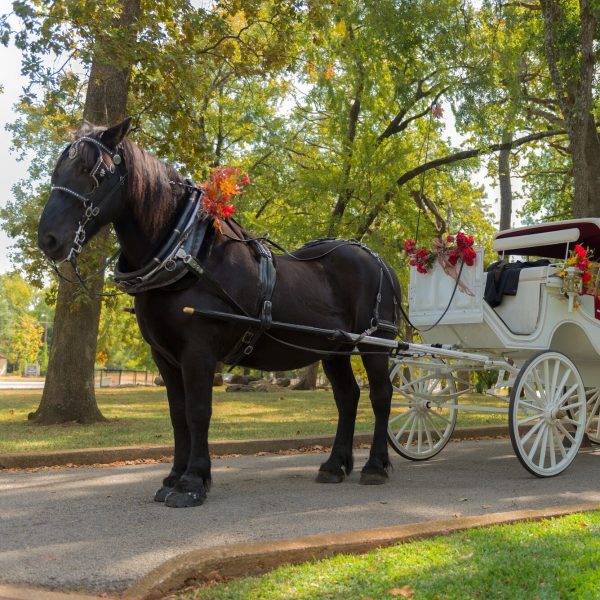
(113, 136)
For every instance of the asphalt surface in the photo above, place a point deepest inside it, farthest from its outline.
(98, 530)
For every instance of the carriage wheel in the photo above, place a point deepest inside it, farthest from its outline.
(424, 415)
(547, 414)
(593, 415)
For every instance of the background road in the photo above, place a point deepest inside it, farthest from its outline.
(97, 529)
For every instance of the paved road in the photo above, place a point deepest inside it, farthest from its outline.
(99, 530)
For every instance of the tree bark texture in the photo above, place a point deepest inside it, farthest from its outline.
(574, 96)
(69, 391)
(505, 183)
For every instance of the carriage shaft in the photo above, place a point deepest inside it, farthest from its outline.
(334, 334)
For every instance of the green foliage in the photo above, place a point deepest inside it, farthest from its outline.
(24, 341)
(119, 339)
(23, 316)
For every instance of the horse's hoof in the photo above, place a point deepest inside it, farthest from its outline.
(371, 478)
(184, 499)
(162, 494)
(327, 477)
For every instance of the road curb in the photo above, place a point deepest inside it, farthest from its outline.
(18, 592)
(93, 456)
(240, 560)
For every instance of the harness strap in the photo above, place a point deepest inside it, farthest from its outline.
(268, 276)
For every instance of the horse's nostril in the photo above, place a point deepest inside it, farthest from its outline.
(50, 243)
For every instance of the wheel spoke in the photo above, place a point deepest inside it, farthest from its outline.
(565, 432)
(551, 448)
(544, 445)
(400, 415)
(427, 432)
(570, 406)
(568, 393)
(552, 388)
(560, 443)
(534, 428)
(434, 427)
(540, 390)
(442, 417)
(411, 435)
(528, 420)
(529, 405)
(564, 382)
(537, 440)
(411, 416)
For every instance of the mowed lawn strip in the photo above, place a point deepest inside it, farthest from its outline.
(547, 560)
(140, 416)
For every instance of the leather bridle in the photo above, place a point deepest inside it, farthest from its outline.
(100, 171)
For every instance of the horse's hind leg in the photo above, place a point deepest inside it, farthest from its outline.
(173, 379)
(376, 469)
(346, 393)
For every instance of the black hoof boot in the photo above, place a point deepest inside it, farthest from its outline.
(373, 478)
(162, 494)
(329, 477)
(185, 499)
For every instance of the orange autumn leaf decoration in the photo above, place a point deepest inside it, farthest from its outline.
(220, 190)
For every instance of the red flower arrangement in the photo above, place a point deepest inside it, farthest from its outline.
(219, 191)
(423, 258)
(580, 259)
(463, 250)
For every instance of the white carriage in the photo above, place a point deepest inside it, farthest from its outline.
(543, 343)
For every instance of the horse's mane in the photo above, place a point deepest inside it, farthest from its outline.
(153, 198)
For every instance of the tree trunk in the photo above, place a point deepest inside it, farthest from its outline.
(69, 393)
(592, 156)
(505, 183)
(308, 378)
(573, 88)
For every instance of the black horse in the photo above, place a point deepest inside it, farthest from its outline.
(338, 285)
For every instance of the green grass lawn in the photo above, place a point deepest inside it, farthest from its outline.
(549, 560)
(140, 417)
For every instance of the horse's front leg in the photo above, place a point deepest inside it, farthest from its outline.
(191, 488)
(173, 379)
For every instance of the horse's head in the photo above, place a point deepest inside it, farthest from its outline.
(86, 193)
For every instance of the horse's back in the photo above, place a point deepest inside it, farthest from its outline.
(338, 280)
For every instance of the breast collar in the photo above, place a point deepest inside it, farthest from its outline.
(169, 264)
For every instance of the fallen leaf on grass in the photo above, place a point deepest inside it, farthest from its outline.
(404, 591)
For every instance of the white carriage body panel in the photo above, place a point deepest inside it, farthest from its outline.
(536, 319)
(430, 293)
